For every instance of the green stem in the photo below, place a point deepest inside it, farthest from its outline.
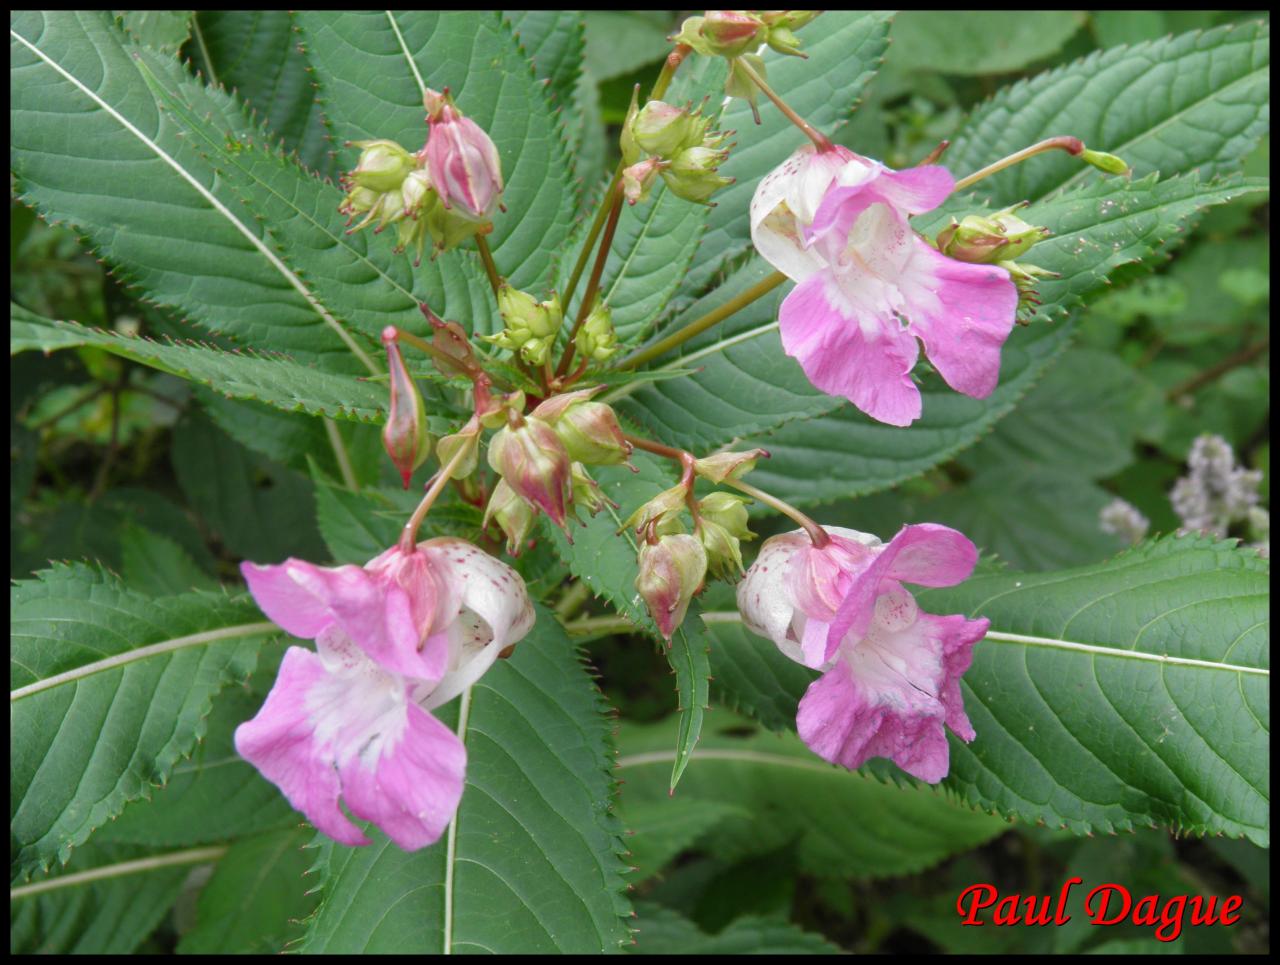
(819, 139)
(450, 361)
(1072, 145)
(408, 536)
(815, 532)
(340, 454)
(700, 325)
(593, 283)
(599, 625)
(490, 268)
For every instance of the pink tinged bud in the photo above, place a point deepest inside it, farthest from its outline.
(589, 430)
(728, 465)
(637, 180)
(462, 160)
(730, 32)
(513, 515)
(405, 434)
(671, 572)
(532, 460)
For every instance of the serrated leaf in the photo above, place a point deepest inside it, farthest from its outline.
(781, 792)
(1196, 101)
(108, 915)
(214, 796)
(533, 835)
(162, 30)
(1129, 693)
(606, 561)
(977, 42)
(255, 899)
(276, 382)
(111, 690)
(156, 565)
(255, 53)
(372, 67)
(662, 931)
(91, 146)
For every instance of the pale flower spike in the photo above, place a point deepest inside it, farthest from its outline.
(891, 672)
(869, 286)
(395, 639)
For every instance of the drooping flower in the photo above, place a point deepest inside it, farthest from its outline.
(891, 672)
(462, 160)
(396, 638)
(836, 223)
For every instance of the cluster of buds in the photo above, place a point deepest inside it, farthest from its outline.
(736, 35)
(542, 459)
(596, 340)
(530, 326)
(447, 191)
(681, 148)
(673, 564)
(999, 239)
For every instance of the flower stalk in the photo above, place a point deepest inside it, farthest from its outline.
(822, 142)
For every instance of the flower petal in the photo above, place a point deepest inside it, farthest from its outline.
(765, 599)
(963, 313)
(293, 594)
(411, 789)
(281, 742)
(958, 637)
(926, 554)
(916, 190)
(863, 355)
(883, 700)
(786, 200)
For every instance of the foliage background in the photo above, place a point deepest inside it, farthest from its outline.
(170, 487)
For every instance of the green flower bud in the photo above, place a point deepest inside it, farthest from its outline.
(1104, 162)
(531, 325)
(627, 142)
(467, 439)
(513, 515)
(589, 430)
(596, 340)
(587, 493)
(728, 465)
(383, 165)
(692, 175)
(658, 510)
(730, 33)
(984, 240)
(664, 130)
(738, 84)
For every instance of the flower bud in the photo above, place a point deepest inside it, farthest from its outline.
(692, 176)
(730, 33)
(383, 166)
(1104, 161)
(513, 515)
(791, 19)
(1025, 278)
(637, 180)
(596, 340)
(468, 439)
(464, 164)
(671, 572)
(586, 491)
(664, 130)
(405, 434)
(983, 240)
(659, 510)
(589, 430)
(531, 325)
(722, 525)
(533, 461)
(728, 465)
(738, 84)
(627, 141)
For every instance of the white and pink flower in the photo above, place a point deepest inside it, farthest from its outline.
(395, 639)
(836, 223)
(891, 672)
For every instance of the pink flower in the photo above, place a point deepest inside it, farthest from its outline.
(892, 672)
(869, 286)
(396, 638)
(462, 160)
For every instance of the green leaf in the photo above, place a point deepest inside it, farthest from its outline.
(156, 565)
(533, 836)
(109, 914)
(844, 49)
(621, 41)
(978, 42)
(255, 899)
(91, 146)
(257, 508)
(661, 931)
(216, 795)
(255, 53)
(372, 67)
(664, 827)
(554, 42)
(606, 562)
(1124, 694)
(780, 792)
(276, 382)
(162, 30)
(1198, 101)
(1098, 229)
(112, 689)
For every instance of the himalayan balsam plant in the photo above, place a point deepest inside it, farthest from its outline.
(533, 404)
